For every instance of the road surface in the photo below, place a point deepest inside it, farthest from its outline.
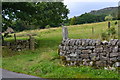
(9, 75)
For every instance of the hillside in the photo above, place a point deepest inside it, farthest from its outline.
(106, 11)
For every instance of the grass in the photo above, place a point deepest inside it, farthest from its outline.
(44, 60)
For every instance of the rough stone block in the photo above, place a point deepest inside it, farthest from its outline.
(84, 56)
(90, 47)
(93, 54)
(113, 59)
(113, 41)
(117, 64)
(86, 51)
(98, 42)
(98, 50)
(115, 49)
(113, 54)
(102, 58)
(100, 63)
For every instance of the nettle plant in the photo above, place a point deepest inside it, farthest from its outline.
(109, 33)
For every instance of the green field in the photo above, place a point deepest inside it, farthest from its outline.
(44, 60)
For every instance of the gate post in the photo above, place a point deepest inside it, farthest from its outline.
(65, 33)
(31, 43)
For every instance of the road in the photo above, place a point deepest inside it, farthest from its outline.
(9, 74)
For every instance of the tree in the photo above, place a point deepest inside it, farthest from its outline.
(108, 18)
(86, 18)
(73, 21)
(33, 13)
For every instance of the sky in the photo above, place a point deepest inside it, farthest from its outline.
(78, 7)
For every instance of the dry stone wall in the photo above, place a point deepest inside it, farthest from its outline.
(19, 45)
(90, 52)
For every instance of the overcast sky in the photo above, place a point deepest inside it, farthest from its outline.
(78, 7)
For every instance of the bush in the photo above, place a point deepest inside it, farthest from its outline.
(110, 33)
(104, 36)
(116, 23)
(47, 26)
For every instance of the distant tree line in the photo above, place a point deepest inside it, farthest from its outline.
(88, 18)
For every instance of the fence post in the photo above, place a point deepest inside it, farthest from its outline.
(92, 30)
(108, 24)
(15, 37)
(65, 33)
(2, 39)
(118, 30)
(31, 43)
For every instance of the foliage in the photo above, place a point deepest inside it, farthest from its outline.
(47, 26)
(73, 21)
(33, 13)
(108, 18)
(104, 36)
(109, 33)
(86, 18)
(116, 23)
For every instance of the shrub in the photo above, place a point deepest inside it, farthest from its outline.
(47, 26)
(110, 33)
(116, 23)
(104, 36)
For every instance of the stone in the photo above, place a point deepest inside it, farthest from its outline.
(118, 58)
(77, 42)
(100, 63)
(91, 63)
(98, 50)
(113, 41)
(105, 42)
(81, 48)
(60, 53)
(118, 49)
(115, 49)
(92, 55)
(83, 42)
(98, 42)
(84, 56)
(118, 42)
(93, 42)
(90, 43)
(103, 54)
(73, 54)
(86, 51)
(87, 42)
(67, 48)
(117, 64)
(113, 59)
(73, 42)
(113, 54)
(90, 47)
(68, 58)
(60, 47)
(102, 58)
(80, 42)
(64, 48)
